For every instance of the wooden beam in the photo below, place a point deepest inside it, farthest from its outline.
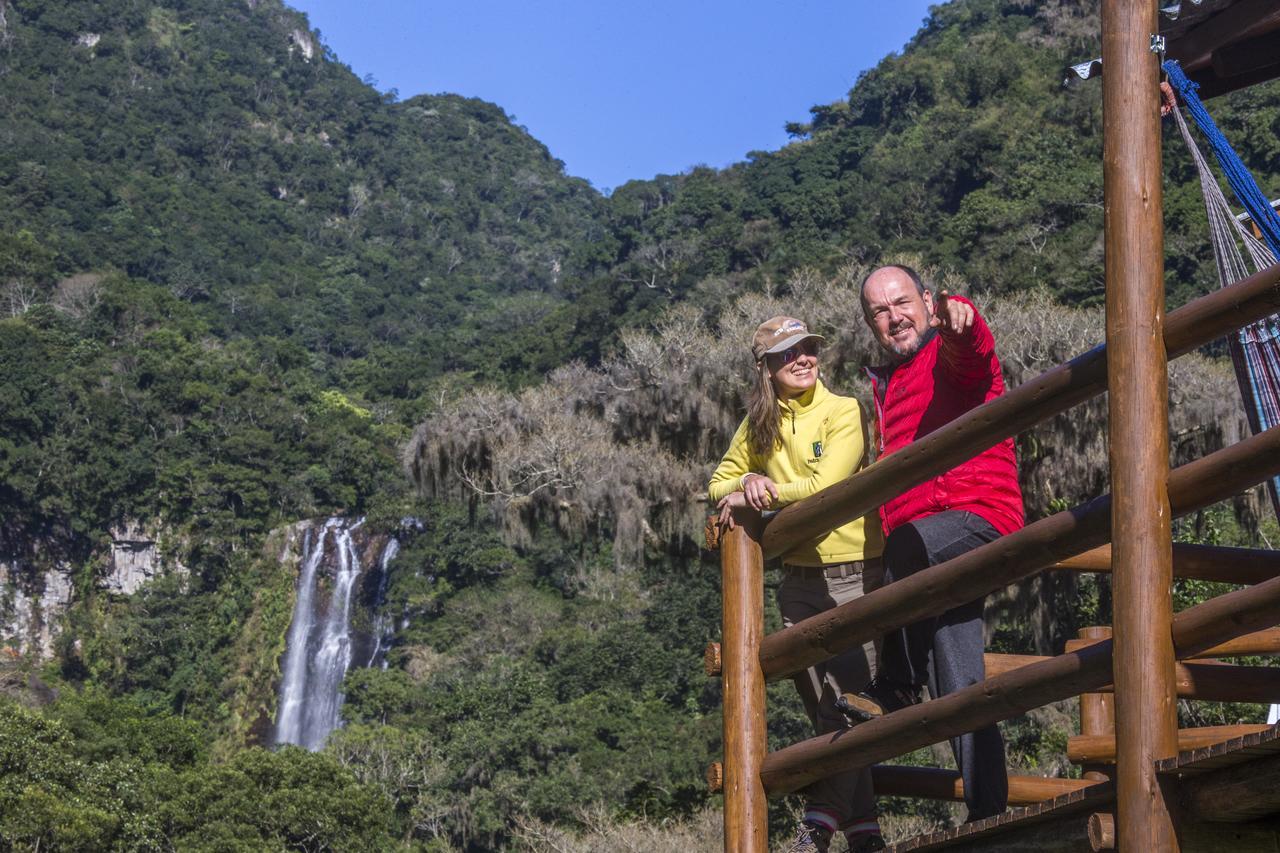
(1057, 824)
(1243, 792)
(1210, 681)
(1097, 712)
(1199, 562)
(712, 662)
(1197, 836)
(1019, 555)
(746, 814)
(1258, 643)
(932, 783)
(1064, 835)
(1004, 696)
(1102, 831)
(1193, 325)
(1248, 57)
(1082, 749)
(1266, 642)
(1211, 86)
(999, 664)
(1246, 19)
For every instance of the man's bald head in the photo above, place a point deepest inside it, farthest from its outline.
(891, 272)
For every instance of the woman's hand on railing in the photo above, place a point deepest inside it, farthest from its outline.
(729, 503)
(760, 491)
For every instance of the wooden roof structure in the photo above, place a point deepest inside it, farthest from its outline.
(1223, 45)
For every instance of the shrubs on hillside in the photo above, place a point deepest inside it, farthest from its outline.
(626, 448)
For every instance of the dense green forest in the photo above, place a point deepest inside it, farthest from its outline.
(241, 287)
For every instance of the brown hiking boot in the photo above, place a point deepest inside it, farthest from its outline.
(878, 698)
(811, 838)
(865, 843)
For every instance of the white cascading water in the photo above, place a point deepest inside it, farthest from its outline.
(382, 625)
(319, 641)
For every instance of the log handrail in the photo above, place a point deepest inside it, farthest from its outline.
(1197, 323)
(1265, 642)
(1085, 749)
(1194, 631)
(1037, 546)
(1198, 562)
(1210, 681)
(933, 783)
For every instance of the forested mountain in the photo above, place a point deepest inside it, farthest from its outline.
(200, 206)
(234, 278)
(218, 150)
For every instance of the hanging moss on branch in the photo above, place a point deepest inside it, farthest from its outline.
(624, 450)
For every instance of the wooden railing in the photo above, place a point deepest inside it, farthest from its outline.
(1072, 540)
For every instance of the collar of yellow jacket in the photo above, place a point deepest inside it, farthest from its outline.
(806, 402)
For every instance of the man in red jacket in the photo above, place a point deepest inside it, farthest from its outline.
(941, 362)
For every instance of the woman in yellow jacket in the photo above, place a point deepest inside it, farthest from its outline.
(797, 439)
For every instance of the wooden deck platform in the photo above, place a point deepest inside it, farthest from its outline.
(1229, 793)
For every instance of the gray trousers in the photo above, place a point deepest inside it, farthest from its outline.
(806, 592)
(945, 652)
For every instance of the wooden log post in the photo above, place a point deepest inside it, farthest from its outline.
(1097, 712)
(1137, 377)
(746, 816)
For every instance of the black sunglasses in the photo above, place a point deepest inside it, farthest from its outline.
(790, 354)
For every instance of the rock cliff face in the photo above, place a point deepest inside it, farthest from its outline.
(36, 591)
(136, 557)
(31, 605)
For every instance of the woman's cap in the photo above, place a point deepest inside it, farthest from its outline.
(778, 334)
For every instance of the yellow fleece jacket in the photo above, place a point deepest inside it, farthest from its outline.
(822, 444)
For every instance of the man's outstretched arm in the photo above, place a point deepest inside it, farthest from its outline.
(967, 348)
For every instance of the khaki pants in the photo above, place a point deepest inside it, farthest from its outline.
(806, 592)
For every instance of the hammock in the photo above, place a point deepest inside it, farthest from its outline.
(1255, 349)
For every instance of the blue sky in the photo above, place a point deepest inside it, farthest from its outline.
(625, 90)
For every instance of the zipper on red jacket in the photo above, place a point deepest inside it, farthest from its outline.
(877, 397)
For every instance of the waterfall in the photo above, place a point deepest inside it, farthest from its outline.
(321, 642)
(383, 626)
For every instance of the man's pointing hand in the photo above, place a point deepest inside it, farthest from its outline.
(951, 316)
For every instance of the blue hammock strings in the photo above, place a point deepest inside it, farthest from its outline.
(1238, 176)
(1255, 351)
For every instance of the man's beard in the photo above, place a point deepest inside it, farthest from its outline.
(904, 352)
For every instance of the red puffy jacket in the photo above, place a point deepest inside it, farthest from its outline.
(948, 376)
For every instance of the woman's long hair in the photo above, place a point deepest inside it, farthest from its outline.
(764, 420)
